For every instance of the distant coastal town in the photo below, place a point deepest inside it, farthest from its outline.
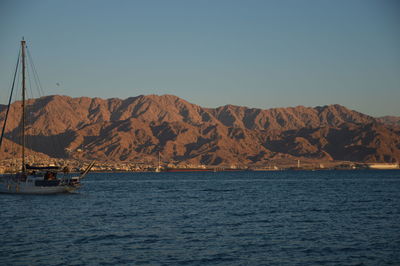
(73, 165)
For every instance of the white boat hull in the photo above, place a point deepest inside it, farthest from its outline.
(8, 185)
(23, 188)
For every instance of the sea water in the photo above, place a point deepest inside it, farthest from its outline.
(203, 218)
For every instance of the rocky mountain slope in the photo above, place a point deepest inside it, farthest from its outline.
(390, 120)
(138, 128)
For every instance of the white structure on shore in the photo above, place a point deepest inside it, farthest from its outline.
(384, 166)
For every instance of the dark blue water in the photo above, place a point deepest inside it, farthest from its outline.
(241, 218)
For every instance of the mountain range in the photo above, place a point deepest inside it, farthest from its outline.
(139, 128)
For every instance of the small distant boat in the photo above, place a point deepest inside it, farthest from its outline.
(35, 180)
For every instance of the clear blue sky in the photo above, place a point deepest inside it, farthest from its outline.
(253, 53)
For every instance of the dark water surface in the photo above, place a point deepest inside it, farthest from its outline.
(238, 218)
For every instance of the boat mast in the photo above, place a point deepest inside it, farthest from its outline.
(23, 44)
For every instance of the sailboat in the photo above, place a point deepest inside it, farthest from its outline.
(30, 179)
